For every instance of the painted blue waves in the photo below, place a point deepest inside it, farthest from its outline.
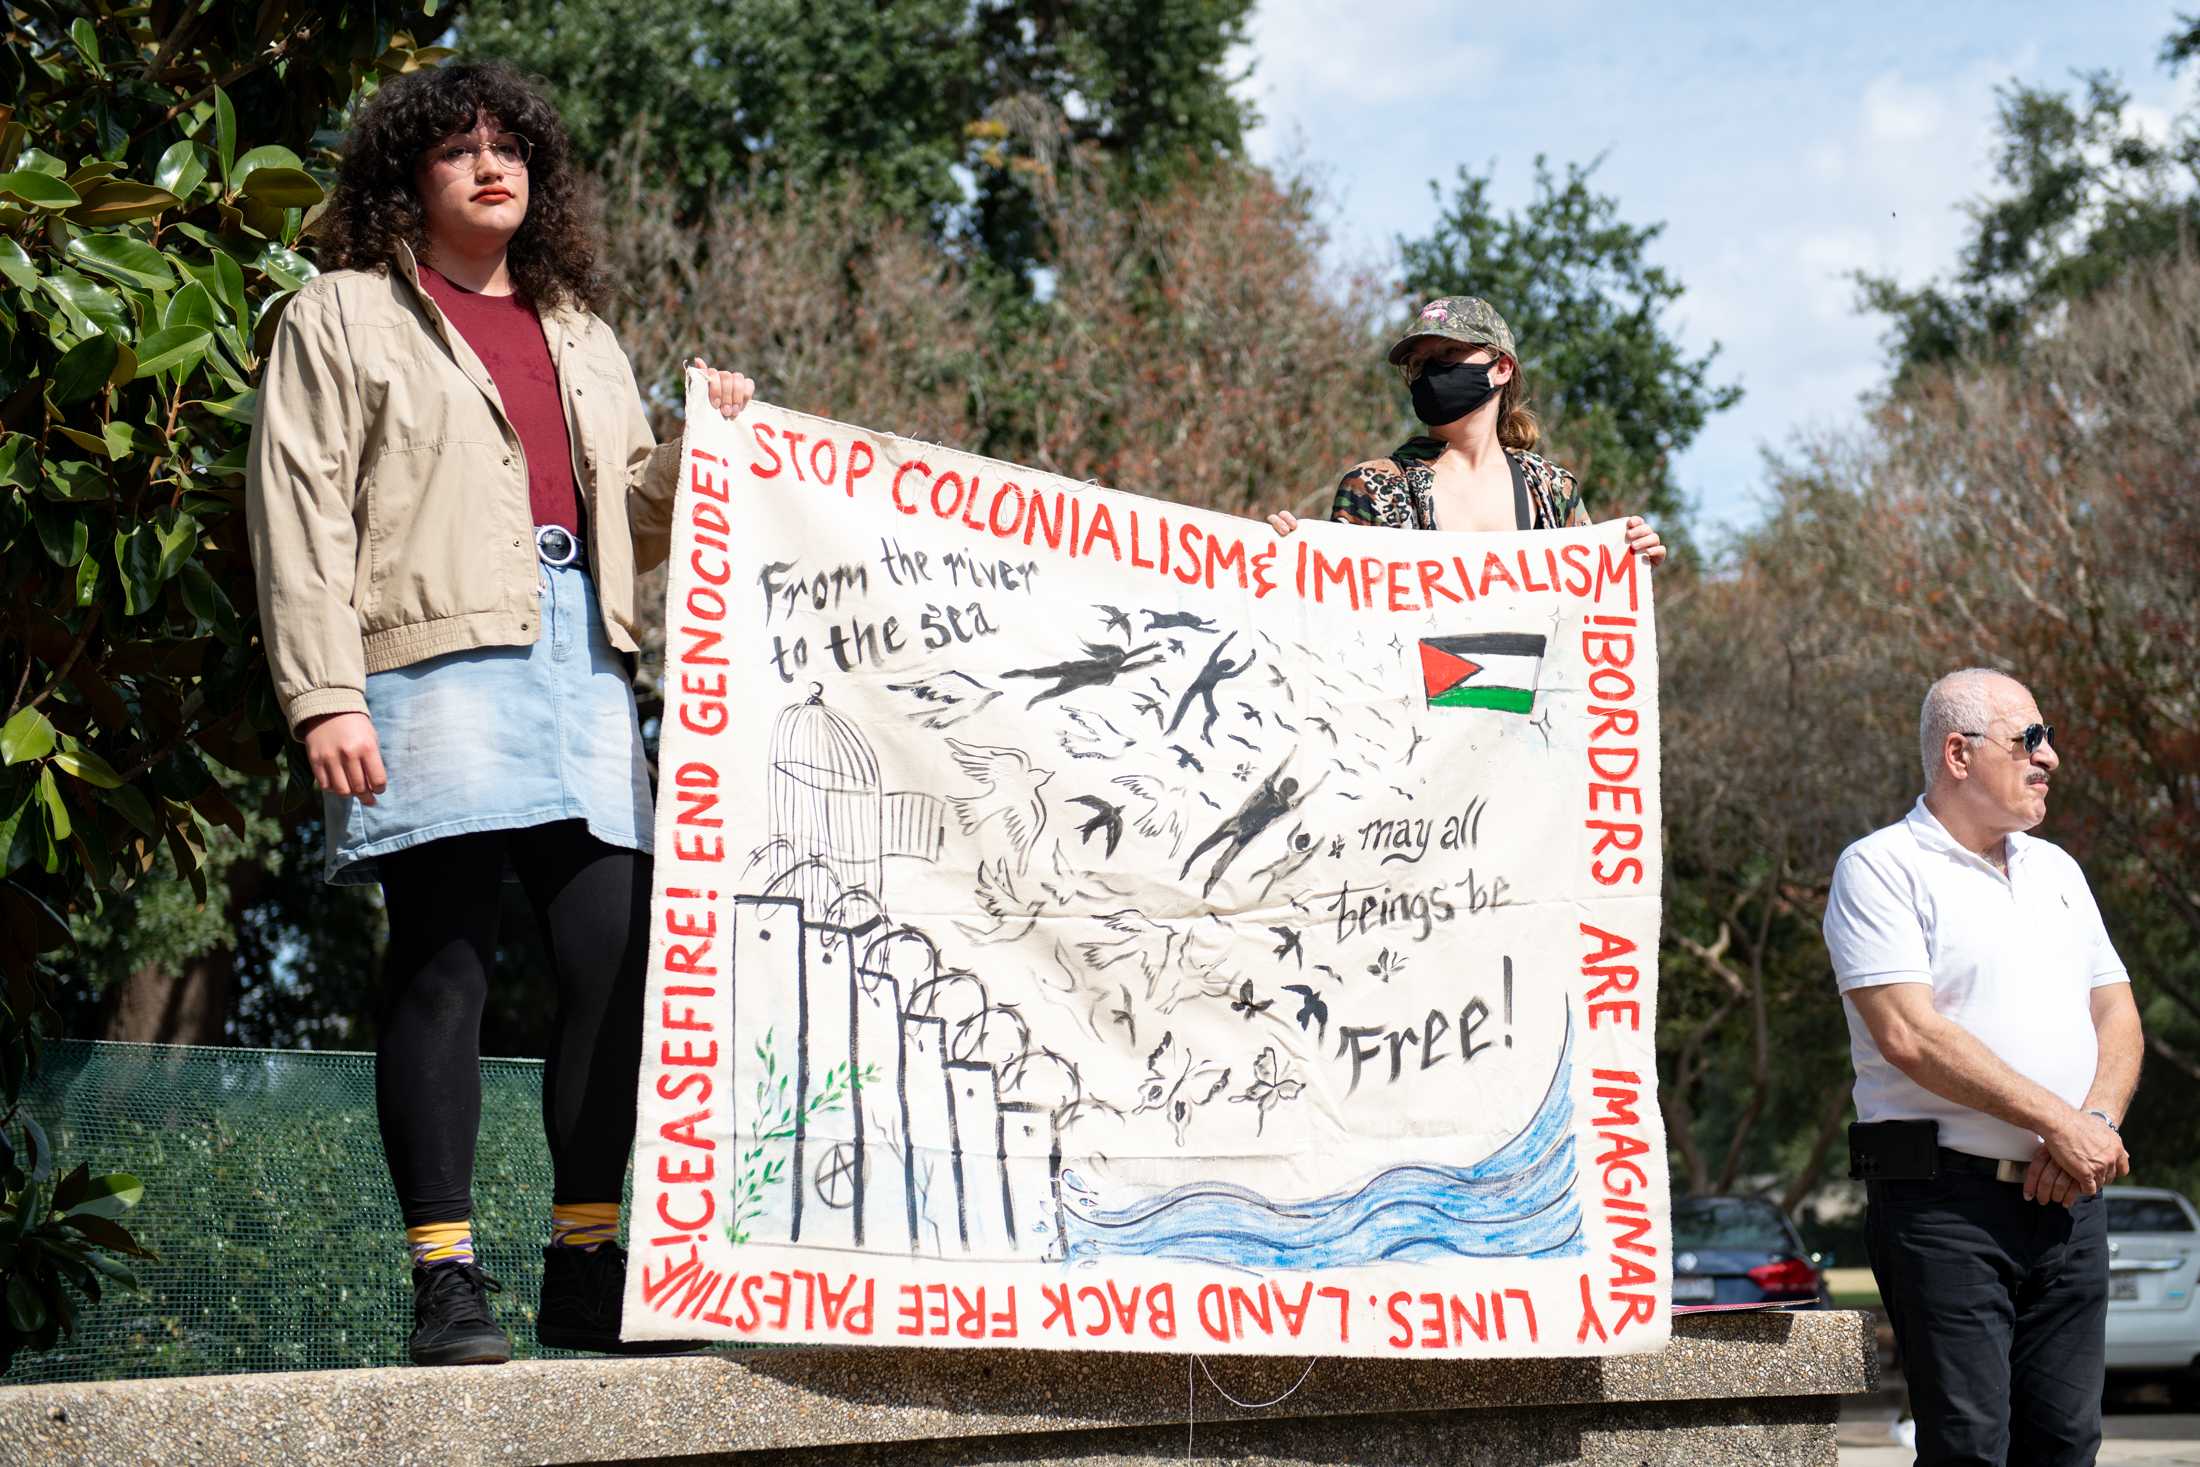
(1518, 1202)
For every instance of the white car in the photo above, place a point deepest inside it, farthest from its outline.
(2153, 1274)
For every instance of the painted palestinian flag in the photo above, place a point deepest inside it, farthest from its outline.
(1492, 670)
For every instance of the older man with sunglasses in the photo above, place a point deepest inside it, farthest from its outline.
(1996, 1045)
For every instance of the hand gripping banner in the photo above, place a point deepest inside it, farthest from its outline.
(1083, 922)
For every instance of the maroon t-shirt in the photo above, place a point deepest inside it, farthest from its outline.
(506, 334)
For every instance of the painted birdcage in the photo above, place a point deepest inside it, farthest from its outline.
(827, 811)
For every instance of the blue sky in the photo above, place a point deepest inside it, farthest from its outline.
(1783, 147)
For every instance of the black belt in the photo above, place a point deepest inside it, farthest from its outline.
(1984, 1166)
(555, 545)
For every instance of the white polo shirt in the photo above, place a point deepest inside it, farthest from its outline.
(2013, 959)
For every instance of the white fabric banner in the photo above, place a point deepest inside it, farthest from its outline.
(1084, 922)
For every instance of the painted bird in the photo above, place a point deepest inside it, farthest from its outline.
(1115, 619)
(1106, 818)
(1159, 815)
(1311, 1007)
(1010, 797)
(1091, 736)
(1186, 759)
(1243, 1003)
(1287, 944)
(997, 897)
(1153, 946)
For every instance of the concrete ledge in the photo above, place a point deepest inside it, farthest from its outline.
(1758, 1388)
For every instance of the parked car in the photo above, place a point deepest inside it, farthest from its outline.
(1742, 1250)
(2153, 1273)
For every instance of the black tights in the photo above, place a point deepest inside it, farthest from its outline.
(592, 900)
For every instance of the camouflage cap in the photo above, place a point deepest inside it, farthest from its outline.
(1462, 318)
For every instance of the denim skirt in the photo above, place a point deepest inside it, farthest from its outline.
(500, 738)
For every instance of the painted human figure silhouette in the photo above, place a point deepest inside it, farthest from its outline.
(1275, 798)
(1219, 669)
(1099, 667)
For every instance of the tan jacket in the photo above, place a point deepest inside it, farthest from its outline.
(386, 492)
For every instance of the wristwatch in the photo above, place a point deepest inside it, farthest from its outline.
(2106, 1121)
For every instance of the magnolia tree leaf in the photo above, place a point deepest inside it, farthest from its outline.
(39, 190)
(16, 265)
(118, 201)
(287, 268)
(258, 158)
(63, 532)
(287, 188)
(83, 369)
(87, 766)
(90, 302)
(26, 736)
(108, 1196)
(57, 809)
(191, 306)
(172, 347)
(121, 257)
(19, 459)
(86, 37)
(181, 170)
(225, 132)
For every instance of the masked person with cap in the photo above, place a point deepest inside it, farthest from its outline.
(451, 488)
(1475, 469)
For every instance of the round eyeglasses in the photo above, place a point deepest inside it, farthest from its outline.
(510, 151)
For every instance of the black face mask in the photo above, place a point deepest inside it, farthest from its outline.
(1445, 392)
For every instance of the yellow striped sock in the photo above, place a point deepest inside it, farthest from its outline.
(584, 1224)
(445, 1242)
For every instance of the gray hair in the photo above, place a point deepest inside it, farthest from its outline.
(1957, 703)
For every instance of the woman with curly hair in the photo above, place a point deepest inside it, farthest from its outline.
(1476, 468)
(452, 487)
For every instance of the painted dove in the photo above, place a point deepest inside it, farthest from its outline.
(1091, 736)
(1157, 816)
(997, 897)
(1010, 799)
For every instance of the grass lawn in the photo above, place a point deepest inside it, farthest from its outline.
(1853, 1288)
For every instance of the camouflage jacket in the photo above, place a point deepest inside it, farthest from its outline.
(1395, 491)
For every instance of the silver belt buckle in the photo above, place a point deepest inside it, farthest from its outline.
(556, 545)
(2006, 1170)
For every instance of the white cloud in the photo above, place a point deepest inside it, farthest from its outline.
(1308, 56)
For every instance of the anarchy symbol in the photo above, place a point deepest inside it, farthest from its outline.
(836, 1175)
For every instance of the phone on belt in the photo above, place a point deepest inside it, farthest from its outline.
(1906, 1151)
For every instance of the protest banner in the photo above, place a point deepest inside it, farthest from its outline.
(1087, 922)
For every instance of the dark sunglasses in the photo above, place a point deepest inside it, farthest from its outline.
(2034, 735)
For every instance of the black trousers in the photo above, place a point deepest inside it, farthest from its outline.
(592, 900)
(2000, 1308)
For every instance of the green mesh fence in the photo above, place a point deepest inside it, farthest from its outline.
(266, 1198)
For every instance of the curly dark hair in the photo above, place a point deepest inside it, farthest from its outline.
(552, 259)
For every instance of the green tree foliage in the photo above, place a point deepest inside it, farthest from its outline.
(2080, 196)
(152, 200)
(1619, 396)
(784, 91)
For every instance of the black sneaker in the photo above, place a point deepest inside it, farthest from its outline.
(451, 1323)
(583, 1290)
